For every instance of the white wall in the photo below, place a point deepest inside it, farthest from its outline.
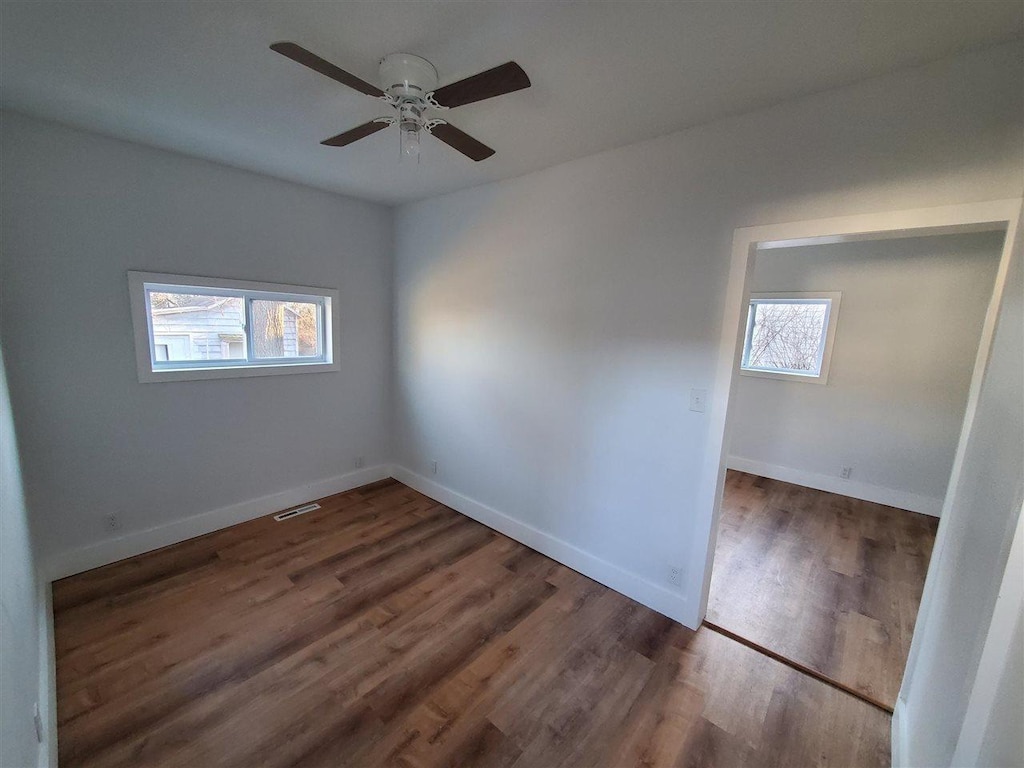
(906, 340)
(79, 210)
(991, 734)
(548, 328)
(1003, 740)
(21, 663)
(971, 554)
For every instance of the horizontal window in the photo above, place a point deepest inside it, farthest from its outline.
(790, 335)
(203, 328)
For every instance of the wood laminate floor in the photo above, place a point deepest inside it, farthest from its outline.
(386, 629)
(829, 582)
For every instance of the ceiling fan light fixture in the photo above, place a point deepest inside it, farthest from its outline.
(410, 123)
(409, 87)
(406, 75)
(410, 141)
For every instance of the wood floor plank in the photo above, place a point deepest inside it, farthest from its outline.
(314, 720)
(386, 629)
(828, 582)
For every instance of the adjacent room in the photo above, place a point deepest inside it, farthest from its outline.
(520, 384)
(854, 380)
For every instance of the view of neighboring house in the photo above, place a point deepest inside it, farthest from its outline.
(194, 327)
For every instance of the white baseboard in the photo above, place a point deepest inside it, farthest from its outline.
(110, 551)
(899, 736)
(891, 497)
(47, 678)
(654, 596)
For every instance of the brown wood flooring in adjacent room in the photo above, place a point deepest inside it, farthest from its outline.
(828, 582)
(387, 629)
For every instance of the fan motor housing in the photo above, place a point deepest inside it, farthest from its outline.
(405, 76)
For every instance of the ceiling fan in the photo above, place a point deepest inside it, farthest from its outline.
(409, 86)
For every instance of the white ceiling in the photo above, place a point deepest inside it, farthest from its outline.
(198, 76)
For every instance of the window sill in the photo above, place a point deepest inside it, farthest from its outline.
(798, 377)
(234, 372)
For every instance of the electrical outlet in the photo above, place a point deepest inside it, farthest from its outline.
(675, 575)
(433, 467)
(358, 462)
(112, 522)
(698, 400)
(846, 472)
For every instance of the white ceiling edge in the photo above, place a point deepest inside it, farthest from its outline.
(85, 120)
(80, 127)
(199, 78)
(1013, 45)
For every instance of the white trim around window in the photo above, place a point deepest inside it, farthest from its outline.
(830, 300)
(151, 369)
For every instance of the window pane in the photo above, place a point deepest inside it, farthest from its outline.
(787, 336)
(190, 326)
(285, 329)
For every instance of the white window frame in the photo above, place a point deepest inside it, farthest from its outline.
(831, 299)
(140, 284)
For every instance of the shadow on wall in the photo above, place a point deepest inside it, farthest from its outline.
(548, 328)
(536, 376)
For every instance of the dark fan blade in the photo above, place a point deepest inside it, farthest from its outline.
(462, 142)
(494, 82)
(311, 60)
(357, 133)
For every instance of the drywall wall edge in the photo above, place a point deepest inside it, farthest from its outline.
(47, 698)
(899, 736)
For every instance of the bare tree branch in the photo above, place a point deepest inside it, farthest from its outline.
(786, 336)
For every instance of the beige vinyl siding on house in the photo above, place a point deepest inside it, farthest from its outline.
(210, 330)
(291, 333)
(204, 327)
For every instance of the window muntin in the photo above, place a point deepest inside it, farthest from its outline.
(190, 328)
(790, 336)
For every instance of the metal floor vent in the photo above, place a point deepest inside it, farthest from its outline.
(295, 512)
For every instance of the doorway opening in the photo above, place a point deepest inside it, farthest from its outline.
(851, 361)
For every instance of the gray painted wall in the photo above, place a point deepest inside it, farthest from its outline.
(548, 329)
(971, 551)
(79, 210)
(1003, 743)
(906, 341)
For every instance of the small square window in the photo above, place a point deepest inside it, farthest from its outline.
(790, 335)
(203, 328)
